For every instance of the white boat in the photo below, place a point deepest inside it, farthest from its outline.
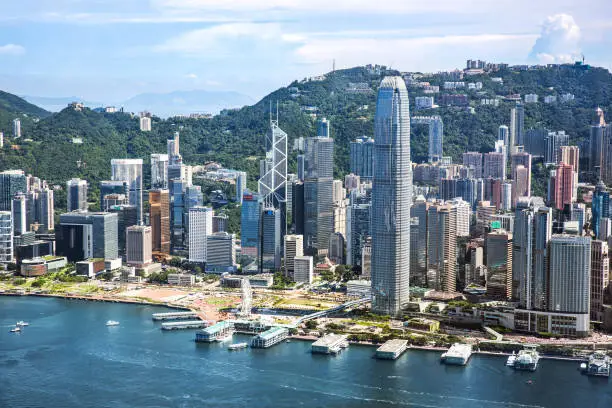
(238, 346)
(458, 354)
(112, 323)
(511, 360)
(527, 359)
(598, 365)
(16, 329)
(21, 323)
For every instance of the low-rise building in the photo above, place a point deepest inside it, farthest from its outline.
(359, 288)
(181, 279)
(418, 323)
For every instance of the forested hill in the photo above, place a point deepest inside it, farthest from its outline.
(235, 138)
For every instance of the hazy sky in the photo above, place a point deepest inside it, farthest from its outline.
(109, 50)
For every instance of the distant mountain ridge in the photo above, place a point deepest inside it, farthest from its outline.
(160, 104)
(186, 102)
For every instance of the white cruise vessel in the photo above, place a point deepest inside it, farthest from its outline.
(598, 365)
(458, 354)
(238, 346)
(112, 323)
(527, 359)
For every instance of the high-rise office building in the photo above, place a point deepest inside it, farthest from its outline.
(391, 199)
(517, 127)
(200, 227)
(19, 214)
(503, 134)
(220, 252)
(600, 206)
(361, 157)
(11, 183)
(294, 246)
(130, 171)
(76, 193)
(45, 210)
(84, 235)
(494, 165)
(418, 242)
(177, 218)
(159, 217)
(159, 171)
(358, 225)
(473, 160)
(599, 163)
(532, 233)
(300, 167)
(436, 136)
(442, 247)
(507, 197)
(600, 278)
(498, 245)
(318, 194)
(522, 159)
(570, 274)
(1, 140)
(520, 183)
(570, 155)
(554, 141)
(126, 217)
(272, 183)
(561, 186)
(335, 252)
(138, 246)
(303, 269)
(6, 237)
(535, 142)
(241, 185)
(145, 124)
(220, 222)
(250, 216)
(16, 128)
(270, 240)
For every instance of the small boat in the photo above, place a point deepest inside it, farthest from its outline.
(112, 323)
(287, 341)
(21, 323)
(16, 329)
(511, 360)
(598, 364)
(238, 346)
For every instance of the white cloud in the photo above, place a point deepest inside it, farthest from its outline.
(191, 76)
(225, 39)
(11, 49)
(420, 53)
(559, 41)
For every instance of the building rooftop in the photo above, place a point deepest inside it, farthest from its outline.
(329, 340)
(268, 334)
(392, 345)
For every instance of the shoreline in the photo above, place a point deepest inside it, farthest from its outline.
(101, 299)
(293, 337)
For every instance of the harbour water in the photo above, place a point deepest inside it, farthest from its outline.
(68, 357)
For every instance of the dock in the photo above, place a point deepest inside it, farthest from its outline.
(189, 324)
(330, 344)
(175, 316)
(270, 337)
(216, 332)
(392, 349)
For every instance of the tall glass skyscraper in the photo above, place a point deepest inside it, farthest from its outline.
(391, 198)
(361, 157)
(130, 171)
(249, 223)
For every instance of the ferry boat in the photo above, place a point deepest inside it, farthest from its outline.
(112, 323)
(527, 359)
(238, 346)
(16, 329)
(458, 354)
(511, 360)
(598, 365)
(21, 323)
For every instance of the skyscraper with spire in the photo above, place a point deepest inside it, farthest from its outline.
(391, 199)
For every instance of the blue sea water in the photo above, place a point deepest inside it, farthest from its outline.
(68, 357)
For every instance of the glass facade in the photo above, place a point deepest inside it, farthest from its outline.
(391, 199)
(249, 223)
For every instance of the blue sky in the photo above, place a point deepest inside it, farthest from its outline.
(110, 50)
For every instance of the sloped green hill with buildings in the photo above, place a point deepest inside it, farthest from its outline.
(235, 138)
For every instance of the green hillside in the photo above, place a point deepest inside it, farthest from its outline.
(235, 138)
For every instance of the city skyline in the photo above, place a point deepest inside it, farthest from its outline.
(204, 44)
